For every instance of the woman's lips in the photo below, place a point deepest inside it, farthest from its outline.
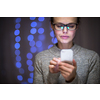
(64, 37)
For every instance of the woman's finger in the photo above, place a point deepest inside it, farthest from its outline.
(65, 69)
(53, 62)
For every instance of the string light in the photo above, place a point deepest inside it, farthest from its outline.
(17, 48)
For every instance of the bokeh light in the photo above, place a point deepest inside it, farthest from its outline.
(32, 18)
(18, 58)
(18, 20)
(18, 64)
(17, 45)
(17, 26)
(20, 77)
(30, 37)
(29, 62)
(38, 43)
(16, 32)
(29, 55)
(24, 83)
(36, 39)
(54, 40)
(40, 30)
(31, 75)
(33, 49)
(31, 68)
(39, 24)
(30, 80)
(41, 19)
(41, 37)
(21, 70)
(32, 43)
(52, 34)
(17, 39)
(17, 52)
(33, 31)
(33, 24)
(50, 46)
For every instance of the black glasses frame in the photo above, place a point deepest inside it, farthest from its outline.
(65, 25)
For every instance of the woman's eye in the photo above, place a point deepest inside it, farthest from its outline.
(71, 26)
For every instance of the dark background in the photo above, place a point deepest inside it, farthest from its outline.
(87, 36)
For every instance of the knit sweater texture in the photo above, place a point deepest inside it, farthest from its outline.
(88, 67)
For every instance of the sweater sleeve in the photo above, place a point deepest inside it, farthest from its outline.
(75, 81)
(38, 74)
(52, 78)
(94, 70)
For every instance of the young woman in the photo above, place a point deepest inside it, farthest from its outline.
(48, 67)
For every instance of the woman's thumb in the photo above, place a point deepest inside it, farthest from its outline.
(74, 63)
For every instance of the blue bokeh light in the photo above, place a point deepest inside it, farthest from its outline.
(30, 80)
(16, 32)
(33, 24)
(33, 31)
(32, 18)
(18, 20)
(39, 24)
(31, 68)
(41, 37)
(29, 56)
(41, 19)
(31, 75)
(54, 40)
(32, 43)
(17, 39)
(29, 62)
(17, 26)
(18, 64)
(24, 83)
(50, 46)
(52, 34)
(30, 38)
(40, 30)
(20, 77)
(21, 70)
(17, 45)
(38, 43)
(17, 52)
(33, 49)
(40, 49)
(18, 58)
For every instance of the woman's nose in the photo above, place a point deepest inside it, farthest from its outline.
(65, 30)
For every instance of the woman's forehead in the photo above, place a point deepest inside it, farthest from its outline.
(65, 20)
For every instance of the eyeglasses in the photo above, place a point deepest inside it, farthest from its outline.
(70, 26)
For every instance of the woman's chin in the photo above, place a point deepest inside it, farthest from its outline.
(65, 42)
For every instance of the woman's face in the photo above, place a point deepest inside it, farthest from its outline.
(65, 35)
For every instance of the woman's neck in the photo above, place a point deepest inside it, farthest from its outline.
(64, 45)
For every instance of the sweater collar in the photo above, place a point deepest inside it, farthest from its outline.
(56, 51)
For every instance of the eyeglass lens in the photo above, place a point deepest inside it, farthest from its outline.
(71, 26)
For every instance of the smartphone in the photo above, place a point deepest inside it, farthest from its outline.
(67, 56)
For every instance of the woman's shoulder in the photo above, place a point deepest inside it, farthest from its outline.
(83, 49)
(87, 52)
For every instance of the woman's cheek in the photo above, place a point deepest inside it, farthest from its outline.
(73, 34)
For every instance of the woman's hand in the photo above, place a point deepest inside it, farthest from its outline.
(53, 67)
(68, 71)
